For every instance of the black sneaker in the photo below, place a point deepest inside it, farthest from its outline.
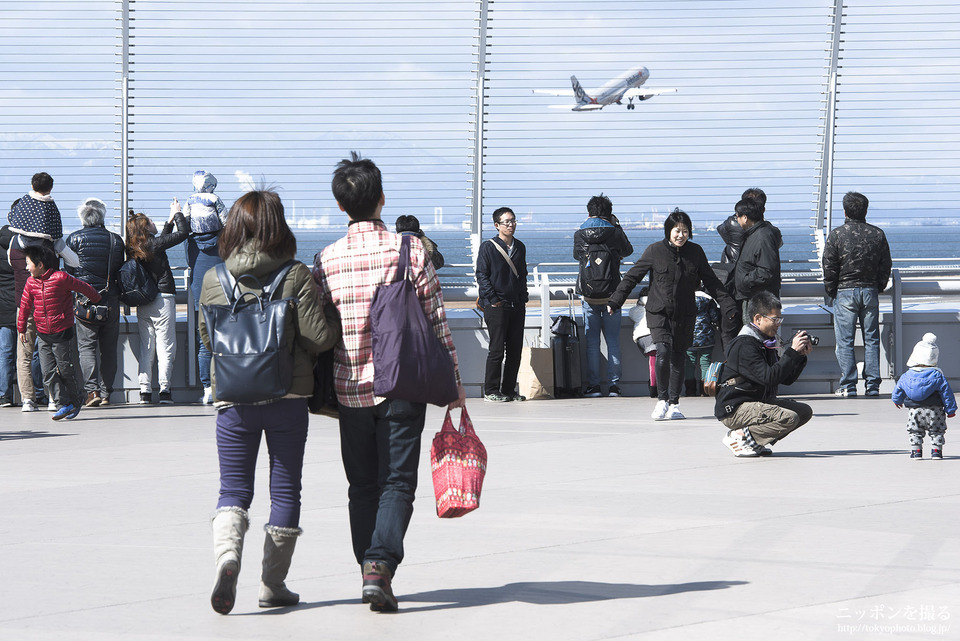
(497, 397)
(614, 391)
(6, 401)
(592, 392)
(518, 397)
(146, 398)
(936, 453)
(165, 398)
(376, 587)
(916, 453)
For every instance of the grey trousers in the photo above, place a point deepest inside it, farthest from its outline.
(769, 422)
(97, 345)
(60, 364)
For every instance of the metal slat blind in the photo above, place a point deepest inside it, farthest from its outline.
(747, 113)
(277, 93)
(59, 103)
(898, 125)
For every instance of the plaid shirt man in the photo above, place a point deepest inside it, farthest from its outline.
(349, 272)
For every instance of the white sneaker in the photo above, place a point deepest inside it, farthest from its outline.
(207, 395)
(28, 406)
(738, 446)
(673, 413)
(660, 411)
(52, 406)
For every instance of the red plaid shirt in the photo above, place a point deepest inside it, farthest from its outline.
(348, 273)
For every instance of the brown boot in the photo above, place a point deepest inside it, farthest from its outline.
(376, 587)
(92, 400)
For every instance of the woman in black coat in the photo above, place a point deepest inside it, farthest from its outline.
(677, 269)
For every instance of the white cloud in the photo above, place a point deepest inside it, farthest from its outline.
(245, 180)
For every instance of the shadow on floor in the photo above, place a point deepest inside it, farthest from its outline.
(25, 434)
(826, 453)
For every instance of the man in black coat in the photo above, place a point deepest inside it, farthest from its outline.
(747, 400)
(502, 279)
(758, 265)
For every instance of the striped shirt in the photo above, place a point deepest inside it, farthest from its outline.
(348, 273)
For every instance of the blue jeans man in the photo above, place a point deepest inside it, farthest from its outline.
(596, 318)
(8, 364)
(852, 305)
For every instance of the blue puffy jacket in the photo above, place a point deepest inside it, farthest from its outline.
(924, 387)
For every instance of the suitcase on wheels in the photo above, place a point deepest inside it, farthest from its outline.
(565, 344)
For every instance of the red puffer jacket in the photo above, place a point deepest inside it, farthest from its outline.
(50, 299)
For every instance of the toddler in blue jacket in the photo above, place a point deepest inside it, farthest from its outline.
(926, 392)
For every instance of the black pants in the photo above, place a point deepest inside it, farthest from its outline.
(505, 325)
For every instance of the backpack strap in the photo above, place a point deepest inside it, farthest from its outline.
(506, 257)
(270, 290)
(227, 282)
(404, 261)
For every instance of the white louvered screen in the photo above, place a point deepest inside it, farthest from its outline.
(898, 121)
(59, 102)
(747, 113)
(278, 92)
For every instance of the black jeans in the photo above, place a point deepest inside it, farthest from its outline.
(505, 325)
(669, 366)
(380, 446)
(98, 352)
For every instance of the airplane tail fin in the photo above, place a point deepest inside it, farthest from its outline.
(581, 95)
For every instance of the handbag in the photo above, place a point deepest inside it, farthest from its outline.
(409, 361)
(324, 398)
(251, 343)
(85, 310)
(458, 461)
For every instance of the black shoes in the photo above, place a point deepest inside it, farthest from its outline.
(376, 587)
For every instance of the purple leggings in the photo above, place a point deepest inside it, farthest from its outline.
(238, 440)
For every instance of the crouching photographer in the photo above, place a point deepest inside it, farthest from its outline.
(747, 402)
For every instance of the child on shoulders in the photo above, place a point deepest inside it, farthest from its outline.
(36, 220)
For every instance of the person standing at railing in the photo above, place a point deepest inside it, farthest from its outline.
(502, 279)
(856, 268)
(157, 319)
(677, 269)
(732, 234)
(599, 246)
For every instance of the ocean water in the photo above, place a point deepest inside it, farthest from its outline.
(911, 246)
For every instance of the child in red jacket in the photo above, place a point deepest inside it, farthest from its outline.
(48, 295)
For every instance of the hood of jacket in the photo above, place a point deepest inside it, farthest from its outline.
(250, 260)
(204, 182)
(595, 230)
(920, 382)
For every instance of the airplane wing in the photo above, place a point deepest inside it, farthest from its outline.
(586, 107)
(552, 92)
(646, 92)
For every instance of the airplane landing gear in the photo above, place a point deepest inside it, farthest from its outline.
(630, 104)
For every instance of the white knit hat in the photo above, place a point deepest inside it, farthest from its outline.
(925, 352)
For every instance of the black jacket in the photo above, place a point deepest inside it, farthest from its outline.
(675, 276)
(97, 263)
(758, 370)
(8, 300)
(758, 266)
(611, 236)
(732, 234)
(159, 266)
(495, 278)
(856, 254)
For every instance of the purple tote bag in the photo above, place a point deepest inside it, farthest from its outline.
(409, 361)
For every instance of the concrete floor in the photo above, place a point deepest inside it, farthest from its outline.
(596, 523)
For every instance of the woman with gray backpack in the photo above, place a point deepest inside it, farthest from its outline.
(259, 269)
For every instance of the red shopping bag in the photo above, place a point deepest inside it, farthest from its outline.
(459, 461)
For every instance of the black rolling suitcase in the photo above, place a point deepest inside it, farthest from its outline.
(565, 344)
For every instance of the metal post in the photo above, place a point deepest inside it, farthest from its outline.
(896, 293)
(124, 114)
(476, 216)
(825, 202)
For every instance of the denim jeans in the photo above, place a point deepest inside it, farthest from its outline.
(596, 318)
(201, 261)
(852, 305)
(284, 424)
(380, 446)
(8, 360)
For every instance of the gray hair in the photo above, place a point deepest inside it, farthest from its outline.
(92, 212)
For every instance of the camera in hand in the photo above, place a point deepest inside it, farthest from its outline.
(814, 340)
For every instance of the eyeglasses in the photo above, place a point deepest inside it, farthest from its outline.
(510, 222)
(777, 320)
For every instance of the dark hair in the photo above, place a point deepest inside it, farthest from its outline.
(600, 207)
(14, 205)
(407, 223)
(138, 237)
(500, 212)
(42, 182)
(750, 209)
(756, 195)
(258, 216)
(855, 205)
(42, 254)
(676, 217)
(763, 303)
(357, 185)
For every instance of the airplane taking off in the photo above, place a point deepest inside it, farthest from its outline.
(627, 85)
